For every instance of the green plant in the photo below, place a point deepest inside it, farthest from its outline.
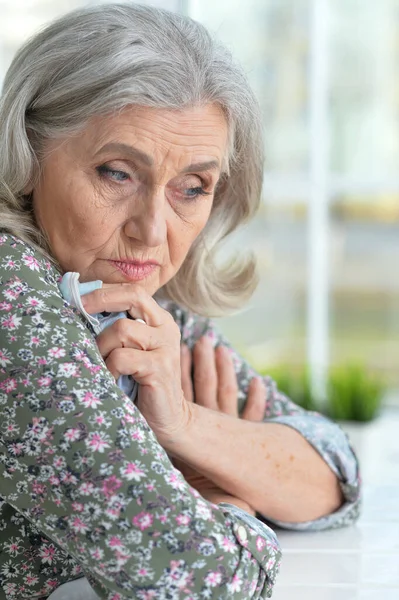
(295, 383)
(353, 392)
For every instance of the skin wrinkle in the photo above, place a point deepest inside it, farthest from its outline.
(91, 219)
(88, 220)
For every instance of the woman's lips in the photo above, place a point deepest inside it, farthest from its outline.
(134, 271)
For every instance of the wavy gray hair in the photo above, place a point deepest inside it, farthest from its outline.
(101, 59)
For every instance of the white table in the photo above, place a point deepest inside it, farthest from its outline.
(359, 562)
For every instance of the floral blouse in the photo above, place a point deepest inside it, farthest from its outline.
(87, 491)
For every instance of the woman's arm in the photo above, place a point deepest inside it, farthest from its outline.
(296, 468)
(78, 460)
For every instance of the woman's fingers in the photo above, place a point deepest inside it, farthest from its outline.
(124, 361)
(256, 401)
(186, 381)
(134, 299)
(227, 382)
(205, 375)
(125, 333)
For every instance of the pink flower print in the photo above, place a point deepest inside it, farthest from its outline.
(183, 519)
(72, 434)
(143, 520)
(13, 548)
(228, 545)
(9, 265)
(7, 306)
(235, 584)
(163, 518)
(175, 479)
(31, 262)
(86, 489)
(113, 513)
(5, 358)
(59, 462)
(213, 579)
(90, 400)
(96, 553)
(138, 436)
(39, 428)
(12, 428)
(111, 485)
(31, 579)
(68, 477)
(115, 542)
(68, 369)
(260, 543)
(10, 589)
(34, 302)
(17, 448)
(148, 595)
(57, 352)
(11, 322)
(131, 471)
(44, 381)
(34, 341)
(79, 526)
(143, 572)
(46, 553)
(203, 511)
(98, 442)
(39, 489)
(270, 563)
(8, 385)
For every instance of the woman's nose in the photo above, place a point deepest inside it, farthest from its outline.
(148, 224)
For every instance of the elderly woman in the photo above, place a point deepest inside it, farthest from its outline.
(140, 454)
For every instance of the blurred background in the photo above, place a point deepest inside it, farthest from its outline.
(327, 235)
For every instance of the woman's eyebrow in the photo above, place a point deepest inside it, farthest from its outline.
(128, 151)
(205, 166)
(148, 161)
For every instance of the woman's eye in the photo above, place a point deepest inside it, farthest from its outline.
(113, 174)
(196, 191)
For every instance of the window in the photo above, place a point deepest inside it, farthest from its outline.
(327, 235)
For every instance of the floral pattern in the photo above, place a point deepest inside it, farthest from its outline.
(86, 488)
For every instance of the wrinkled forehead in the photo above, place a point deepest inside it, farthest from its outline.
(201, 130)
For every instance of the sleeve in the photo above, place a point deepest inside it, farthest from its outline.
(78, 460)
(323, 434)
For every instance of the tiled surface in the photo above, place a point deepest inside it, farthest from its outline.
(359, 562)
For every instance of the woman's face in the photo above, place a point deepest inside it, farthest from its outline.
(133, 187)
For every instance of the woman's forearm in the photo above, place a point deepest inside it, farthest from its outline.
(270, 466)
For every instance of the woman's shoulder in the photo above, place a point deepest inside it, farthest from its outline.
(23, 261)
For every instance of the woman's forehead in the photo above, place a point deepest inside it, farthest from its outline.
(200, 129)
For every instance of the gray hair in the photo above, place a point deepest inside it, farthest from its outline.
(100, 59)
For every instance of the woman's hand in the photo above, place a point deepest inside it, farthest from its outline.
(149, 353)
(214, 382)
(215, 387)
